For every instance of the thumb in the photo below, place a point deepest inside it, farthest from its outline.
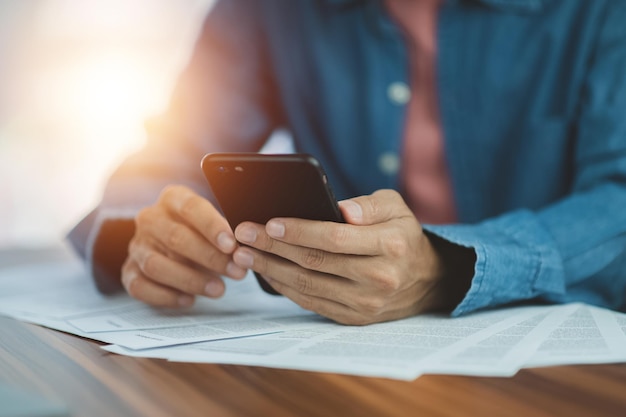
(379, 207)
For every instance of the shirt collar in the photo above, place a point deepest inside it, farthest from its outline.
(521, 5)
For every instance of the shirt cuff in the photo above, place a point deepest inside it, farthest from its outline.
(516, 260)
(101, 239)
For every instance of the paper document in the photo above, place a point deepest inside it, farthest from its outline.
(586, 335)
(401, 349)
(67, 300)
(249, 327)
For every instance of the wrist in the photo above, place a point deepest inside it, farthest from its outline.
(454, 271)
(110, 250)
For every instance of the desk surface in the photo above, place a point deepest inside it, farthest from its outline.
(92, 382)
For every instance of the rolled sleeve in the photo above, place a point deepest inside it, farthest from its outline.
(516, 259)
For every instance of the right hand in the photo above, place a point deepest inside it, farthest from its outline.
(181, 246)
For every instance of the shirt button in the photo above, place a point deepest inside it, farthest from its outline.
(389, 163)
(399, 93)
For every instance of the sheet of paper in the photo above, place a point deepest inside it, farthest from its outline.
(242, 300)
(401, 349)
(487, 344)
(35, 278)
(249, 327)
(505, 351)
(587, 335)
(59, 290)
(66, 300)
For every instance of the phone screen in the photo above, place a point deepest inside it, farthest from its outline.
(258, 187)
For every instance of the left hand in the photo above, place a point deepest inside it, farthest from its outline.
(378, 266)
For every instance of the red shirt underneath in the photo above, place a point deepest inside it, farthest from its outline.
(424, 171)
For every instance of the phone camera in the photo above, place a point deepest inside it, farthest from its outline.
(222, 169)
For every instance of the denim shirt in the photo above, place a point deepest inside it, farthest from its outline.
(532, 97)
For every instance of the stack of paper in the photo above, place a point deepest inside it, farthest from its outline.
(249, 327)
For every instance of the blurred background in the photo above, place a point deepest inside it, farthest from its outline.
(77, 80)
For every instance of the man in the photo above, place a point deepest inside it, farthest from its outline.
(501, 124)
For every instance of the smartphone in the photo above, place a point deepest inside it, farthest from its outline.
(258, 187)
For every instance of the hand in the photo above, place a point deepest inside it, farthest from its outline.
(180, 248)
(379, 266)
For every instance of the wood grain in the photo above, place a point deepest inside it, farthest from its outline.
(92, 382)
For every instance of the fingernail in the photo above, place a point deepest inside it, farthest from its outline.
(275, 228)
(354, 210)
(225, 242)
(234, 271)
(246, 234)
(243, 258)
(127, 279)
(185, 300)
(213, 289)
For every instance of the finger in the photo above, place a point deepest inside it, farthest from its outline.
(305, 281)
(201, 215)
(170, 273)
(326, 295)
(327, 236)
(379, 207)
(349, 266)
(371, 298)
(149, 292)
(328, 308)
(334, 297)
(352, 280)
(367, 311)
(381, 220)
(339, 238)
(185, 243)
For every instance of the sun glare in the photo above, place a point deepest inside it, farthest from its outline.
(112, 94)
(84, 77)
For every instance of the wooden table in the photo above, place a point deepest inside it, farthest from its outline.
(92, 382)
